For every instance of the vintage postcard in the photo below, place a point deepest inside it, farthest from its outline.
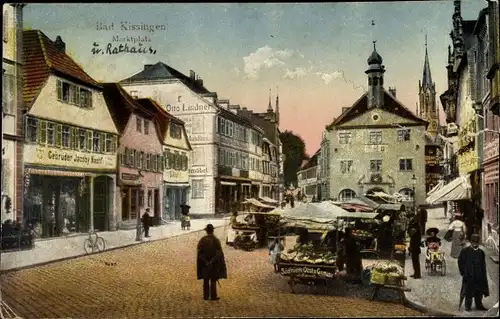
(250, 159)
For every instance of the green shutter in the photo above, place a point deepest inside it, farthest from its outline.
(43, 133)
(89, 140)
(102, 142)
(59, 90)
(162, 163)
(74, 138)
(38, 131)
(59, 135)
(89, 99)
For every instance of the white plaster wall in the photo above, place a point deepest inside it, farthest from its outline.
(8, 175)
(46, 106)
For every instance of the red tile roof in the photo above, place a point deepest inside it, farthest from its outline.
(41, 58)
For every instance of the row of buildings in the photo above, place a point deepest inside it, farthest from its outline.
(378, 144)
(78, 154)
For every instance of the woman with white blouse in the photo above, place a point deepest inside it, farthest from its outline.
(458, 235)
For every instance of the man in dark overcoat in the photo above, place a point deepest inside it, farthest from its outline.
(210, 265)
(422, 219)
(414, 249)
(472, 267)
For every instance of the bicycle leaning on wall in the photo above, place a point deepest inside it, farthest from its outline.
(94, 243)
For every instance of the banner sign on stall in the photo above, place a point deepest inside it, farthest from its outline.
(306, 272)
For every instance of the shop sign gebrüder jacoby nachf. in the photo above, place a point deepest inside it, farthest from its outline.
(51, 156)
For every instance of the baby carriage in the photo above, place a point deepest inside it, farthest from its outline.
(185, 222)
(434, 259)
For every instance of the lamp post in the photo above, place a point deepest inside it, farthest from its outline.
(138, 230)
(414, 182)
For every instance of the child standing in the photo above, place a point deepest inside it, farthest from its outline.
(274, 251)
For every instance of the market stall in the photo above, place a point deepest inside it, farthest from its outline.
(364, 227)
(387, 274)
(311, 263)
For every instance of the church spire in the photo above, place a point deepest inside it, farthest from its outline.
(277, 106)
(426, 76)
(269, 106)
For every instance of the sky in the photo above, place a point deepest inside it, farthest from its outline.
(313, 54)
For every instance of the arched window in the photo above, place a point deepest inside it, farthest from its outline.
(407, 194)
(346, 195)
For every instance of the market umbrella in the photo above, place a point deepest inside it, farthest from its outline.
(432, 230)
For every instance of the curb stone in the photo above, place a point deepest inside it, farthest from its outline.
(98, 252)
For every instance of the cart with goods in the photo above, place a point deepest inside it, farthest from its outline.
(310, 264)
(388, 274)
(364, 226)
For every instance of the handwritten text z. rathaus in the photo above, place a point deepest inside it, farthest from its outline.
(122, 48)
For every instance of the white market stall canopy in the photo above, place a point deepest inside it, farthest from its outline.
(360, 215)
(458, 189)
(314, 212)
(253, 201)
(436, 188)
(268, 200)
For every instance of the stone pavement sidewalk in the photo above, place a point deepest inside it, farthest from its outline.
(439, 295)
(60, 248)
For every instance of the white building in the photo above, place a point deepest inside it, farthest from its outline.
(308, 177)
(12, 102)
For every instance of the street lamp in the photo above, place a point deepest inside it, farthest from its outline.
(138, 230)
(414, 182)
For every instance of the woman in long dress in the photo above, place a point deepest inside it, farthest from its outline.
(458, 235)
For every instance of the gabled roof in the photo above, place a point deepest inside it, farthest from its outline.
(162, 71)
(41, 59)
(121, 105)
(313, 161)
(163, 118)
(390, 105)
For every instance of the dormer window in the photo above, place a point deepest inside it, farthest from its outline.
(175, 131)
(73, 94)
(138, 124)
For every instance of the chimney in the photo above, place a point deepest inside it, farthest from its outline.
(192, 75)
(344, 109)
(147, 66)
(199, 81)
(60, 45)
(392, 90)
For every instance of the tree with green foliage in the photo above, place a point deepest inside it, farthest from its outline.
(294, 149)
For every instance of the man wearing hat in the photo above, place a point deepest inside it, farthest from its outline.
(210, 265)
(472, 267)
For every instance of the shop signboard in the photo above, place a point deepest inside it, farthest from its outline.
(307, 272)
(52, 156)
(468, 160)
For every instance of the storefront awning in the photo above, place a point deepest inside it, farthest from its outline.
(41, 171)
(228, 183)
(176, 184)
(268, 200)
(458, 189)
(436, 188)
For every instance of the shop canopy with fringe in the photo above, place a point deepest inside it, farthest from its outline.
(458, 189)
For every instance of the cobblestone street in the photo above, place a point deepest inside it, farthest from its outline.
(159, 280)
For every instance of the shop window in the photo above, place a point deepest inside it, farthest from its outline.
(146, 127)
(138, 124)
(96, 142)
(198, 190)
(82, 139)
(51, 134)
(31, 130)
(66, 136)
(148, 162)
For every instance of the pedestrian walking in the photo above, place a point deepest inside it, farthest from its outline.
(146, 222)
(472, 267)
(456, 232)
(210, 264)
(415, 242)
(422, 219)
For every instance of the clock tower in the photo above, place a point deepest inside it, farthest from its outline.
(427, 97)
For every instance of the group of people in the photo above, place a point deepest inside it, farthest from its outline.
(465, 248)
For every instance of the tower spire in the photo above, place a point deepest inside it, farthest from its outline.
(269, 106)
(277, 106)
(426, 76)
